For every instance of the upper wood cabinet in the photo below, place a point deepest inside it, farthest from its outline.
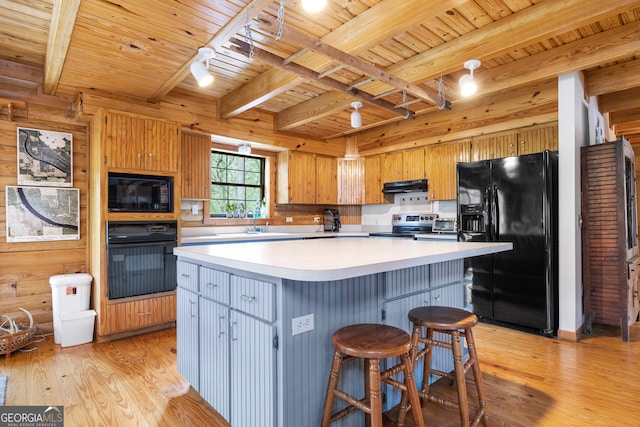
(413, 163)
(441, 162)
(306, 178)
(373, 167)
(326, 180)
(196, 166)
(140, 143)
(392, 170)
(517, 142)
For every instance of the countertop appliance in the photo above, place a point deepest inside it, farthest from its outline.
(332, 220)
(445, 226)
(513, 199)
(407, 225)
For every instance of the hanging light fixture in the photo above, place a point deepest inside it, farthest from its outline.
(467, 83)
(200, 66)
(244, 149)
(313, 6)
(356, 117)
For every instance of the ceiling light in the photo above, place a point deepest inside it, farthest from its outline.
(200, 66)
(244, 149)
(467, 83)
(313, 6)
(356, 117)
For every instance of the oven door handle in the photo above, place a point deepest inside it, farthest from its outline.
(141, 244)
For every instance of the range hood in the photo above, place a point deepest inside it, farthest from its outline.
(413, 186)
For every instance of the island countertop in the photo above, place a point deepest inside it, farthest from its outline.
(334, 259)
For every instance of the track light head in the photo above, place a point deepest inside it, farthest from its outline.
(356, 117)
(200, 66)
(467, 83)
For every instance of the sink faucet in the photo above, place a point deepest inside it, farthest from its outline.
(253, 215)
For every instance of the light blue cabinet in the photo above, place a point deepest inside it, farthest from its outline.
(227, 342)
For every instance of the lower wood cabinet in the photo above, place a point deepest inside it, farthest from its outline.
(123, 316)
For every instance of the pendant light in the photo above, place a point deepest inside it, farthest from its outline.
(200, 66)
(356, 117)
(467, 83)
(313, 6)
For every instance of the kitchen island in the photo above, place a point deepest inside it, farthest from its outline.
(255, 319)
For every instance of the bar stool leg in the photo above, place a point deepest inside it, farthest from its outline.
(412, 390)
(460, 378)
(477, 376)
(331, 387)
(374, 392)
(427, 360)
(404, 401)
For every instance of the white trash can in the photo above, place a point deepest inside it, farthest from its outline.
(71, 293)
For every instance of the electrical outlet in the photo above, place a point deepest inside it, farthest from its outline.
(316, 220)
(302, 324)
(289, 219)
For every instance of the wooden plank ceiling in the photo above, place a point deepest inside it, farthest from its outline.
(402, 59)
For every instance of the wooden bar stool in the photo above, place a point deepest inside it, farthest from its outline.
(455, 323)
(371, 342)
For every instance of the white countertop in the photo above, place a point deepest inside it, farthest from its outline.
(334, 259)
(239, 237)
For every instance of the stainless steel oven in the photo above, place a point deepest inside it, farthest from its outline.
(407, 225)
(140, 257)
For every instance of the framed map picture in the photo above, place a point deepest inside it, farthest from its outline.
(42, 213)
(45, 158)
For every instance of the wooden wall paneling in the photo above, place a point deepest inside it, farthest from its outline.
(494, 146)
(25, 267)
(536, 139)
(351, 181)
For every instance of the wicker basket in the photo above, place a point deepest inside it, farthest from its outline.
(12, 342)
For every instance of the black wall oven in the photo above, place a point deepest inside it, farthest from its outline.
(140, 257)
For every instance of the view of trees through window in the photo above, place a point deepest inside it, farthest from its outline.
(237, 184)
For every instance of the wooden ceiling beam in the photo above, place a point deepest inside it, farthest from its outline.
(305, 73)
(537, 23)
(619, 101)
(318, 46)
(63, 18)
(365, 31)
(237, 23)
(613, 78)
(624, 116)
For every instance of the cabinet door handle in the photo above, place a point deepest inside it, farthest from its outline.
(150, 160)
(185, 275)
(221, 326)
(191, 304)
(139, 157)
(215, 285)
(232, 326)
(248, 298)
(145, 313)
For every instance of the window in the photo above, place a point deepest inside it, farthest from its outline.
(237, 184)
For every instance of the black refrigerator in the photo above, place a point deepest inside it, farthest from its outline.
(513, 199)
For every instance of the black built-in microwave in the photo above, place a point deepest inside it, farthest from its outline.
(140, 193)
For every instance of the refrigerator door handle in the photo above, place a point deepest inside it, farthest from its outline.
(495, 214)
(486, 213)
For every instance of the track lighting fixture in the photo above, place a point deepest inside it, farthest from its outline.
(200, 66)
(356, 117)
(467, 83)
(313, 6)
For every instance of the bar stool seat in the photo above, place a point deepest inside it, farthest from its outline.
(371, 342)
(455, 323)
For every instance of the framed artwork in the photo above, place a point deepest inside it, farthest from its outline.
(45, 158)
(42, 213)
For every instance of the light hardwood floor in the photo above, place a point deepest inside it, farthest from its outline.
(530, 381)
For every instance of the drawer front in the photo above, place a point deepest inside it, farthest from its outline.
(214, 284)
(254, 297)
(187, 275)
